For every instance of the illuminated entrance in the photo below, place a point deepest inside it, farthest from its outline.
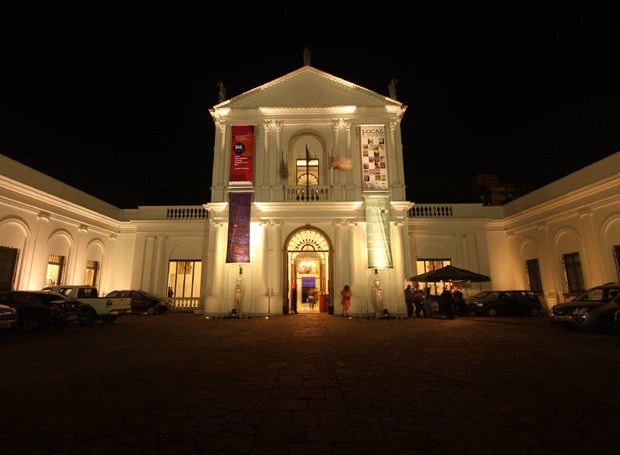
(308, 266)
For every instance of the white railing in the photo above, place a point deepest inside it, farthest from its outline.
(186, 304)
(430, 211)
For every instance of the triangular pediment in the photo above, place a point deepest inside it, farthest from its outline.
(307, 87)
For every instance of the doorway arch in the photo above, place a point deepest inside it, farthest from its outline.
(308, 253)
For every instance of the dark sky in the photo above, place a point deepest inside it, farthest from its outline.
(115, 101)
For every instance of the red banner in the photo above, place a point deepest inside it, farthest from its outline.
(242, 155)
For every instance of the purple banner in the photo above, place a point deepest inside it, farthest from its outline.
(238, 249)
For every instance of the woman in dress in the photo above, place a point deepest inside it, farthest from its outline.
(346, 300)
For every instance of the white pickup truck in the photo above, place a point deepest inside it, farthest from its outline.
(94, 307)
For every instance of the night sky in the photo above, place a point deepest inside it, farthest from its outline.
(115, 101)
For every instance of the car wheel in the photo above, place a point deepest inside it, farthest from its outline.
(87, 317)
(534, 311)
(108, 318)
(607, 325)
(30, 325)
(151, 310)
(492, 311)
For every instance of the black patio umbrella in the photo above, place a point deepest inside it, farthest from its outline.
(450, 273)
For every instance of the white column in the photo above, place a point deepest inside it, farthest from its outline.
(352, 253)
(549, 266)
(349, 153)
(215, 285)
(277, 155)
(160, 285)
(395, 163)
(592, 255)
(219, 159)
(147, 261)
(262, 169)
(334, 177)
(275, 269)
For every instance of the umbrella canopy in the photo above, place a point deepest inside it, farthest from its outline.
(450, 273)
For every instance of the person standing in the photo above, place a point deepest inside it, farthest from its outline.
(312, 297)
(409, 299)
(418, 300)
(294, 298)
(428, 304)
(459, 302)
(446, 303)
(346, 300)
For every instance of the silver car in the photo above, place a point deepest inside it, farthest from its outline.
(595, 309)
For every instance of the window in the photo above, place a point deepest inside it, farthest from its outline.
(307, 172)
(92, 273)
(8, 267)
(184, 279)
(572, 270)
(55, 270)
(428, 265)
(532, 270)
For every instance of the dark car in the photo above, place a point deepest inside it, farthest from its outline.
(595, 309)
(511, 302)
(144, 302)
(8, 318)
(36, 309)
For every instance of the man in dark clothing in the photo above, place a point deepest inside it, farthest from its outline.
(409, 301)
(418, 300)
(459, 302)
(446, 303)
(294, 298)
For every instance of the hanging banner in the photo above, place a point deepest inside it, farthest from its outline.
(374, 158)
(377, 210)
(238, 247)
(242, 155)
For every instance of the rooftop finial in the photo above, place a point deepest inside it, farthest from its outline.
(392, 89)
(307, 55)
(222, 93)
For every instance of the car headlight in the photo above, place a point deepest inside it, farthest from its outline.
(581, 311)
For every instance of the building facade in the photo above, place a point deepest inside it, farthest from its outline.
(308, 187)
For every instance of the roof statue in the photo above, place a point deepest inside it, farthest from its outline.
(392, 89)
(222, 93)
(307, 55)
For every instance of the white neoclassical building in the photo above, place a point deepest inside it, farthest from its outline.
(308, 188)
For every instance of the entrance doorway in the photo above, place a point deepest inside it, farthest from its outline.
(308, 256)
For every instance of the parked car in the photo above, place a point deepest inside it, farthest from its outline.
(8, 318)
(142, 301)
(511, 302)
(595, 309)
(36, 309)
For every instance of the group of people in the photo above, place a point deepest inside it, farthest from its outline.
(450, 301)
(418, 301)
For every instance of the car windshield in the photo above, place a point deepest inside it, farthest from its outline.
(599, 295)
